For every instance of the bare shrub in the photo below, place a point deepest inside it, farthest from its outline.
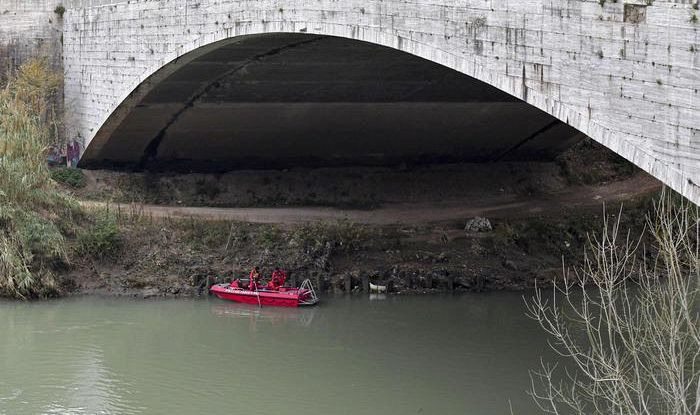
(626, 322)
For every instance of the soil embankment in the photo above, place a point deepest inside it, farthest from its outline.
(368, 188)
(496, 206)
(418, 234)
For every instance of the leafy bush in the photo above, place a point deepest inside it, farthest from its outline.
(74, 178)
(102, 239)
(505, 234)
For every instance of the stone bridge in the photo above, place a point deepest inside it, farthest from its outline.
(156, 81)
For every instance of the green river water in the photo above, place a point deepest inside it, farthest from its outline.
(442, 355)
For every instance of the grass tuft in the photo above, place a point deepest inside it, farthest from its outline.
(102, 239)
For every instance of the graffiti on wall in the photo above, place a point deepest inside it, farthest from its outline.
(67, 154)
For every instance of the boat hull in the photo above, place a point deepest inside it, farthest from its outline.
(290, 297)
(377, 288)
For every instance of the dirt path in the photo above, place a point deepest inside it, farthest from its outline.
(506, 206)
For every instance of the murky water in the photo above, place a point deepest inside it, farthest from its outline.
(401, 355)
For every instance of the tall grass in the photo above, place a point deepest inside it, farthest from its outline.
(32, 211)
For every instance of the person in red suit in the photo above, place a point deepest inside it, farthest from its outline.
(278, 279)
(254, 278)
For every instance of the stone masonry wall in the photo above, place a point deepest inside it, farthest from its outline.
(29, 28)
(626, 74)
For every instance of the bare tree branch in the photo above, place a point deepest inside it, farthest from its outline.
(628, 330)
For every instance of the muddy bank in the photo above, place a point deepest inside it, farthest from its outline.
(410, 227)
(182, 257)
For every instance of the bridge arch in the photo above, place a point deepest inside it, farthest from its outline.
(201, 46)
(96, 124)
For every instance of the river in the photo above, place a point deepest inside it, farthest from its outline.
(466, 354)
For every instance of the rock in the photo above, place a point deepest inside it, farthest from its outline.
(510, 265)
(440, 273)
(151, 292)
(478, 224)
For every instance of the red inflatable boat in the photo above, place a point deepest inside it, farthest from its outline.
(281, 297)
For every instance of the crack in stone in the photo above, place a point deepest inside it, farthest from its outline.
(151, 151)
(526, 139)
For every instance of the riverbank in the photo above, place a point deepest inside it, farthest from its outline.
(503, 206)
(411, 228)
(148, 255)
(500, 226)
(460, 226)
(370, 188)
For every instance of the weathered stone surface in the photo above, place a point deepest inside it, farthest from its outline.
(29, 28)
(298, 100)
(631, 85)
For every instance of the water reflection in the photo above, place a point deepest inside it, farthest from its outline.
(377, 297)
(92, 389)
(301, 316)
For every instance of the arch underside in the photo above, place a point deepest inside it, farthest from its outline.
(285, 99)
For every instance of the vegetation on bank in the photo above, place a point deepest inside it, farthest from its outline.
(101, 239)
(175, 255)
(628, 330)
(71, 177)
(34, 215)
